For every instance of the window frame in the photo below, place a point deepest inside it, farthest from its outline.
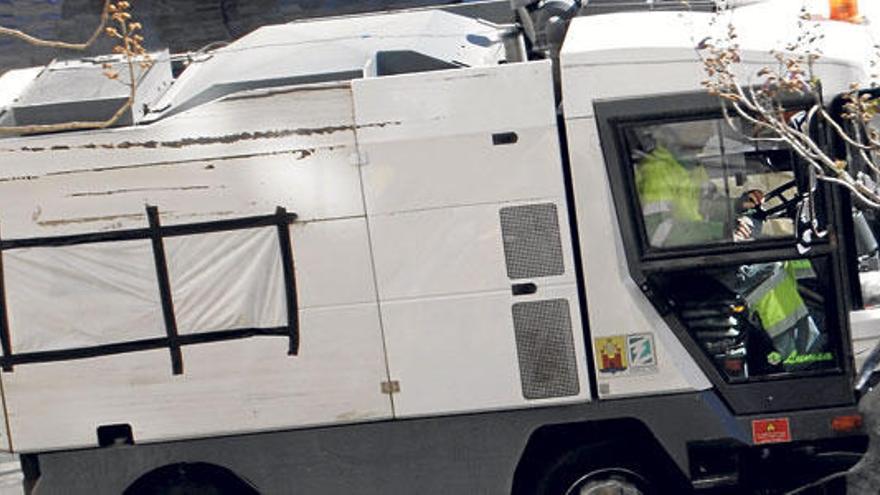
(649, 251)
(784, 391)
(841, 150)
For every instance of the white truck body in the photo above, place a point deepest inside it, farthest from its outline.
(393, 283)
(410, 194)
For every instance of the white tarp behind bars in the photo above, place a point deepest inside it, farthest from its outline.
(83, 295)
(95, 294)
(227, 280)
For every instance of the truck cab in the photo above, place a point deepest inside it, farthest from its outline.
(646, 99)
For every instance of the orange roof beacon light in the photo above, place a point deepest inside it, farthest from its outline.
(844, 10)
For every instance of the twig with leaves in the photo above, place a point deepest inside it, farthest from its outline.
(117, 23)
(762, 104)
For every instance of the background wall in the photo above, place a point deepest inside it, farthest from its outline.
(176, 24)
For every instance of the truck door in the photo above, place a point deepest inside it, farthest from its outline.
(861, 235)
(718, 235)
(468, 225)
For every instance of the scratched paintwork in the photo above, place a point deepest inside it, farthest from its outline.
(236, 156)
(241, 156)
(202, 141)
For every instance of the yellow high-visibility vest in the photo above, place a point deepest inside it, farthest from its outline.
(777, 301)
(661, 179)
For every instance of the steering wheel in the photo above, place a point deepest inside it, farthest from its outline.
(788, 197)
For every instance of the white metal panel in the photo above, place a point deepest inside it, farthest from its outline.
(333, 265)
(458, 353)
(437, 252)
(227, 387)
(14, 82)
(458, 170)
(591, 81)
(478, 100)
(449, 250)
(616, 305)
(435, 185)
(322, 185)
(236, 157)
(658, 34)
(242, 124)
(601, 58)
(438, 163)
(338, 45)
(440, 151)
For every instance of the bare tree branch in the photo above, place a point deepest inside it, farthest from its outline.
(128, 46)
(33, 40)
(761, 105)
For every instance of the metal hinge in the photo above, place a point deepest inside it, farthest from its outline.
(392, 387)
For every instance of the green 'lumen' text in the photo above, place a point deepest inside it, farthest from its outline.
(814, 357)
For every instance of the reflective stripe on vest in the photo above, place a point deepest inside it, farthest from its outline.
(663, 181)
(800, 269)
(656, 207)
(661, 233)
(777, 302)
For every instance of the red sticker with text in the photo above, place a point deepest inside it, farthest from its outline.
(775, 430)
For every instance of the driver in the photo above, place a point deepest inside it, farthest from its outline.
(680, 205)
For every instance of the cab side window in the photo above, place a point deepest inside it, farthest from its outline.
(756, 319)
(704, 182)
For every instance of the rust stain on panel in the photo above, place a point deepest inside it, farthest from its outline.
(210, 214)
(17, 178)
(303, 153)
(209, 140)
(108, 218)
(302, 89)
(129, 216)
(135, 190)
(459, 77)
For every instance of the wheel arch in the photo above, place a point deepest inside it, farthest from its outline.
(168, 478)
(550, 442)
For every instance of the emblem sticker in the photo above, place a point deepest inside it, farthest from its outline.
(640, 349)
(612, 353)
(776, 430)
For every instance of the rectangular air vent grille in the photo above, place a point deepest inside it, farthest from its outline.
(545, 347)
(532, 246)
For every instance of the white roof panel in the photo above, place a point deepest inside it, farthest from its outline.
(632, 54)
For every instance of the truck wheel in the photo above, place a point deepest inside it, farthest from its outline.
(596, 470)
(613, 481)
(190, 479)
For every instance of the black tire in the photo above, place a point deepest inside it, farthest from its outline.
(593, 466)
(190, 479)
